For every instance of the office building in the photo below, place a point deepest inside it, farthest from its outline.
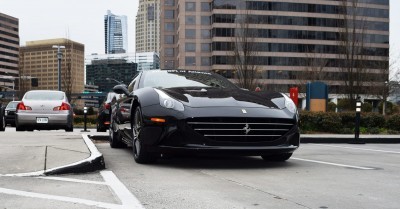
(116, 33)
(9, 52)
(148, 26)
(291, 38)
(144, 61)
(38, 59)
(106, 73)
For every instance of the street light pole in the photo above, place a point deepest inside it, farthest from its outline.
(59, 56)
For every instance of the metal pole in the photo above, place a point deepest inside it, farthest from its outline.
(59, 67)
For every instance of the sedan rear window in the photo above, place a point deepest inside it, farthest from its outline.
(12, 105)
(45, 95)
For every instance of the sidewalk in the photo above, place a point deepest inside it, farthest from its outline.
(47, 152)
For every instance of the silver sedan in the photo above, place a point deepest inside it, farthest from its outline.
(44, 110)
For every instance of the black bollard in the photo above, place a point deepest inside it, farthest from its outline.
(357, 139)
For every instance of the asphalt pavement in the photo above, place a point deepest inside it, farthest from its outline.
(57, 152)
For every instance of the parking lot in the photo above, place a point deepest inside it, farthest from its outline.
(317, 176)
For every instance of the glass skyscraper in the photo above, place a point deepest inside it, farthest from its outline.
(116, 33)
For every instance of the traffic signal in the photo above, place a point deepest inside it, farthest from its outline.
(34, 82)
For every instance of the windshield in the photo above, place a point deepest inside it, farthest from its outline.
(12, 105)
(44, 95)
(185, 78)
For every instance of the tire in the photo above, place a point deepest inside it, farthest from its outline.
(277, 158)
(140, 154)
(2, 124)
(100, 128)
(70, 128)
(115, 138)
(19, 128)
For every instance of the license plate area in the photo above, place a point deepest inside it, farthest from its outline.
(42, 120)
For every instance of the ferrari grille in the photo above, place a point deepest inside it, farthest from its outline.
(241, 129)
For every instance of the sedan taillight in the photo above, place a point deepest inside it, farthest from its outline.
(64, 106)
(107, 106)
(21, 106)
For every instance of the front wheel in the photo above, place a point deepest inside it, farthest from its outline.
(115, 138)
(2, 124)
(140, 154)
(277, 158)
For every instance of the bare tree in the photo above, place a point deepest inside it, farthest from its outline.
(67, 77)
(351, 49)
(244, 53)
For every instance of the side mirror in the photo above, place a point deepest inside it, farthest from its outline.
(121, 89)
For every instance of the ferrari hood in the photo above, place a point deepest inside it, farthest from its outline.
(219, 97)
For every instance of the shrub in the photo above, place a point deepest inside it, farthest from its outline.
(366, 107)
(331, 107)
(374, 130)
(393, 123)
(372, 120)
(330, 122)
(348, 119)
(345, 105)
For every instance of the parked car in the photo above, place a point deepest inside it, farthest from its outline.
(194, 112)
(10, 112)
(120, 118)
(103, 115)
(2, 118)
(44, 110)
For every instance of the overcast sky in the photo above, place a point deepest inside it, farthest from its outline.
(83, 20)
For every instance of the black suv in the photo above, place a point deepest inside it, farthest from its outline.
(103, 117)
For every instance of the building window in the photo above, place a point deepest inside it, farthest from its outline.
(205, 33)
(190, 61)
(205, 47)
(205, 61)
(169, 14)
(190, 6)
(169, 26)
(205, 7)
(190, 33)
(205, 20)
(190, 20)
(190, 47)
(169, 2)
(169, 52)
(169, 39)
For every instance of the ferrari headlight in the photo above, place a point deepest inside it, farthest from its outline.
(168, 102)
(289, 104)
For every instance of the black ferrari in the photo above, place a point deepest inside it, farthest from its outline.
(195, 112)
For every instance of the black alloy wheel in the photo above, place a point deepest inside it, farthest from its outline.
(114, 137)
(277, 158)
(140, 154)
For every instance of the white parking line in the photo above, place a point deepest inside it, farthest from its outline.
(344, 147)
(334, 164)
(120, 190)
(128, 200)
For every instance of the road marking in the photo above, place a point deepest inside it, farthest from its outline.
(73, 180)
(126, 197)
(128, 200)
(334, 164)
(59, 198)
(374, 150)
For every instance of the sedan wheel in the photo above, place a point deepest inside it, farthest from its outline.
(3, 124)
(140, 154)
(115, 138)
(277, 158)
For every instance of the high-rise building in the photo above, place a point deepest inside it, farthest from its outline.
(148, 26)
(9, 51)
(291, 38)
(38, 59)
(106, 73)
(116, 33)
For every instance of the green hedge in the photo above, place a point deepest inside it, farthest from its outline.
(80, 119)
(344, 122)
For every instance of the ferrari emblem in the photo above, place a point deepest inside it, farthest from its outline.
(244, 111)
(247, 128)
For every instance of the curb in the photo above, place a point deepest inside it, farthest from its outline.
(379, 139)
(93, 163)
